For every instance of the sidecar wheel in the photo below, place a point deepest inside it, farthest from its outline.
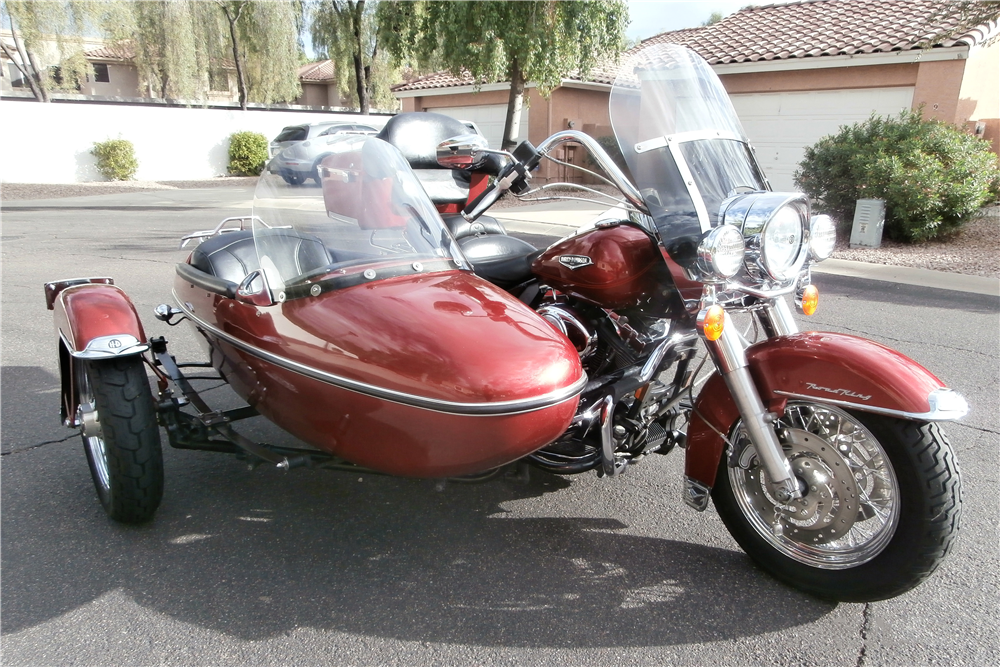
(120, 437)
(870, 534)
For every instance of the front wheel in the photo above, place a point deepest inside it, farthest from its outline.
(293, 178)
(880, 509)
(120, 437)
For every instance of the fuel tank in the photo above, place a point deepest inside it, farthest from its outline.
(614, 267)
(431, 375)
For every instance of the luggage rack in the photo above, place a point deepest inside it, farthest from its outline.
(222, 229)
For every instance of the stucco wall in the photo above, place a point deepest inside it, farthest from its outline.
(123, 81)
(979, 99)
(319, 95)
(937, 88)
(170, 143)
(867, 76)
(587, 109)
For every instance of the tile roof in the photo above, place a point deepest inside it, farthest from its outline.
(801, 29)
(442, 79)
(815, 28)
(113, 52)
(318, 71)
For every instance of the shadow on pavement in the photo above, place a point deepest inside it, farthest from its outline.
(257, 554)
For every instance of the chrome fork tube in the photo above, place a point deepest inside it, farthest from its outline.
(780, 316)
(730, 357)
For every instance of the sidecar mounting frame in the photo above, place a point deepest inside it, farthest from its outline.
(212, 430)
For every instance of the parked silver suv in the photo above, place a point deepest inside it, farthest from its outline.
(297, 150)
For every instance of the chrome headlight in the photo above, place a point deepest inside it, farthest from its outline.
(776, 227)
(721, 253)
(822, 237)
(781, 243)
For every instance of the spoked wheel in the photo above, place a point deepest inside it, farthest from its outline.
(120, 437)
(880, 510)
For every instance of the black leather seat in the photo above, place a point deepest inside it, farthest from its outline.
(232, 256)
(460, 227)
(503, 260)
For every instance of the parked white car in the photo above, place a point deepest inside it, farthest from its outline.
(297, 150)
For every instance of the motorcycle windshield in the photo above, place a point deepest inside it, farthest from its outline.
(367, 219)
(682, 141)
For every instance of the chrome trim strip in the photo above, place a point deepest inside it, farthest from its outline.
(498, 408)
(938, 412)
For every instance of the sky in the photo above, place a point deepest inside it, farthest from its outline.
(651, 17)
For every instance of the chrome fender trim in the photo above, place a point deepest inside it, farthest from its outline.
(106, 347)
(945, 405)
(492, 409)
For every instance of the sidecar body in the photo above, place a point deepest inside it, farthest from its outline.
(347, 315)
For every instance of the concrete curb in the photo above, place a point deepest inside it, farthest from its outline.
(910, 276)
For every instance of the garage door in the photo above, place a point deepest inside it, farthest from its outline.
(490, 119)
(781, 125)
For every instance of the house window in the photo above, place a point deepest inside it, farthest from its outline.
(16, 78)
(101, 74)
(218, 80)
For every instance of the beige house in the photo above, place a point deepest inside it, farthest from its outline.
(796, 72)
(319, 87)
(115, 76)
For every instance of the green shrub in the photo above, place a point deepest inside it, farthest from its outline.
(932, 175)
(115, 159)
(247, 153)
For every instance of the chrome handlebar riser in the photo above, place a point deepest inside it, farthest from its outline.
(601, 157)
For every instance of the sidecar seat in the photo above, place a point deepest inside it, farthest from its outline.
(416, 135)
(232, 256)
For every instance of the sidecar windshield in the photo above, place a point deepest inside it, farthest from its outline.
(367, 219)
(681, 139)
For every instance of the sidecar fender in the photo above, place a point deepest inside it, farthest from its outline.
(835, 369)
(94, 320)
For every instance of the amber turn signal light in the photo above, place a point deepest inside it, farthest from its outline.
(810, 299)
(712, 321)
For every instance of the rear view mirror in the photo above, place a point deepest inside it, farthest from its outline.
(466, 151)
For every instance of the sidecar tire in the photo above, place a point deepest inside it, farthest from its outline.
(930, 507)
(125, 458)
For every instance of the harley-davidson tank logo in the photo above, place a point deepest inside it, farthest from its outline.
(838, 392)
(574, 262)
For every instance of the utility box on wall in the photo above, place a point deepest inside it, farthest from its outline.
(869, 219)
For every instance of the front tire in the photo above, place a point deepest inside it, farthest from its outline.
(293, 178)
(870, 534)
(120, 437)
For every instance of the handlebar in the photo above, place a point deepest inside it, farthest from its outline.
(602, 158)
(526, 157)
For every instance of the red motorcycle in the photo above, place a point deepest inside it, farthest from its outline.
(389, 325)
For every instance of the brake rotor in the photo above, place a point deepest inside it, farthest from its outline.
(829, 506)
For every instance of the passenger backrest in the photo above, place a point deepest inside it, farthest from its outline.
(417, 135)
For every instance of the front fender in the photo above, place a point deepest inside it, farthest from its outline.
(831, 368)
(93, 321)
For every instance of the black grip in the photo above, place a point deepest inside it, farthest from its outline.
(490, 191)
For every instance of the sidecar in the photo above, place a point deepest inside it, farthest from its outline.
(347, 315)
